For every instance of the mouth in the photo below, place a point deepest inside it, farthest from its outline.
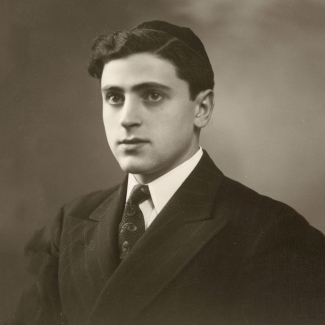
(133, 143)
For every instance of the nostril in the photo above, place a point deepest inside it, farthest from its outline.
(130, 120)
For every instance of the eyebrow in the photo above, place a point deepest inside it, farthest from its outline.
(138, 87)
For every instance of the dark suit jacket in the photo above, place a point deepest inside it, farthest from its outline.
(218, 253)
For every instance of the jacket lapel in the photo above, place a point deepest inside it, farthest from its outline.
(178, 233)
(92, 245)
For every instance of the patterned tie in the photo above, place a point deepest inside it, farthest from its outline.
(132, 226)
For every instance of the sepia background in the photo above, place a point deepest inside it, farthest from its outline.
(268, 128)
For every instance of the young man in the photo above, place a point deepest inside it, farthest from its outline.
(178, 242)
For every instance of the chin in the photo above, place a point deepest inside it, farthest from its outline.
(134, 167)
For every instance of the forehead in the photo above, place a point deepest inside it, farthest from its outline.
(140, 68)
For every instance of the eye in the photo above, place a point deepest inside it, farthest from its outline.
(153, 96)
(114, 99)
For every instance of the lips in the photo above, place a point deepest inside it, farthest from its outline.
(133, 141)
(132, 144)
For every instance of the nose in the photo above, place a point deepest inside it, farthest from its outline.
(131, 113)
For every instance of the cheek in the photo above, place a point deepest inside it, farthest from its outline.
(172, 127)
(109, 130)
(180, 125)
(106, 116)
(109, 119)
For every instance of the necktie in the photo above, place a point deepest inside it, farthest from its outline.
(132, 226)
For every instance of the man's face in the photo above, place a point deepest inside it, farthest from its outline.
(148, 115)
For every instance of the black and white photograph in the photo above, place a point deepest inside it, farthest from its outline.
(162, 162)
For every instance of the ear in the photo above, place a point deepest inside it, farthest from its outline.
(204, 108)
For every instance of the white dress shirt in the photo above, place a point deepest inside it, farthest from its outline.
(163, 188)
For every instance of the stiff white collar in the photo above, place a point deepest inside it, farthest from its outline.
(164, 187)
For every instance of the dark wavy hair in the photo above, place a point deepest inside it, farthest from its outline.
(190, 66)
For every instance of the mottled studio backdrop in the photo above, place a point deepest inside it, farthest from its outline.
(268, 129)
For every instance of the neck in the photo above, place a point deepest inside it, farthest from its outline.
(148, 178)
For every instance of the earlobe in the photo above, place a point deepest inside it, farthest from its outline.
(204, 108)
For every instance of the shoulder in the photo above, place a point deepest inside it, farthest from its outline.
(267, 223)
(252, 216)
(250, 203)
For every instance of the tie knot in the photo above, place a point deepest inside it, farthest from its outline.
(139, 194)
